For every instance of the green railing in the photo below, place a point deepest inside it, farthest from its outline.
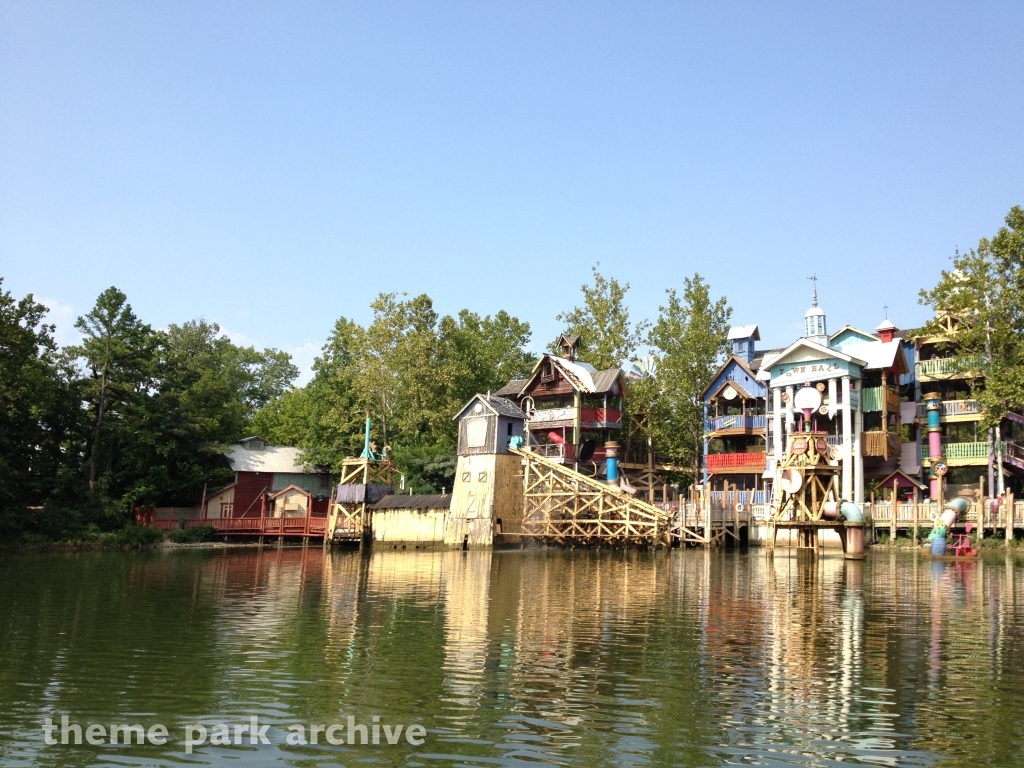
(961, 451)
(948, 366)
(871, 399)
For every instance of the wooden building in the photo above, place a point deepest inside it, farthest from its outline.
(735, 418)
(947, 378)
(568, 402)
(846, 388)
(261, 471)
(487, 499)
(416, 521)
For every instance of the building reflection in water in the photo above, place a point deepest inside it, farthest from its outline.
(630, 657)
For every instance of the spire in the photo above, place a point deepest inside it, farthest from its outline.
(814, 318)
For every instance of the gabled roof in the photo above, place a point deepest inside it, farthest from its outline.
(270, 459)
(733, 360)
(804, 343)
(744, 332)
(496, 405)
(513, 389)
(292, 487)
(881, 354)
(903, 480)
(581, 376)
(853, 331)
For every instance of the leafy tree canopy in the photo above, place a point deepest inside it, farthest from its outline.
(985, 291)
(607, 336)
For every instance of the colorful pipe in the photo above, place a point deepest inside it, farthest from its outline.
(612, 461)
(933, 407)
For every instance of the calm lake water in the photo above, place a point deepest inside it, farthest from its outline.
(519, 658)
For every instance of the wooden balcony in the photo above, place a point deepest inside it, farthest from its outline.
(736, 421)
(883, 445)
(871, 399)
(600, 418)
(735, 462)
(590, 418)
(307, 526)
(948, 368)
(961, 454)
(954, 409)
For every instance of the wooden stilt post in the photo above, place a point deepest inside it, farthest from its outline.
(892, 514)
(915, 513)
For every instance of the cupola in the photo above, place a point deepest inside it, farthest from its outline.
(886, 331)
(814, 323)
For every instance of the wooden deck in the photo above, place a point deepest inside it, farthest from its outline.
(288, 527)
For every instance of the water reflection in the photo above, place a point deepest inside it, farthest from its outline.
(551, 657)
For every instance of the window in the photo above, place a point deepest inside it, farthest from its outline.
(476, 432)
(510, 429)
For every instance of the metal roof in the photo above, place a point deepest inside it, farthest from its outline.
(269, 459)
(603, 380)
(418, 501)
(744, 332)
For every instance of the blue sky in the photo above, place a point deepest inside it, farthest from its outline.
(273, 166)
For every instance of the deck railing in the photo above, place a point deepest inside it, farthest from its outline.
(264, 526)
(729, 500)
(953, 408)
(926, 513)
(949, 366)
(736, 421)
(884, 444)
(546, 415)
(750, 462)
(600, 416)
(953, 451)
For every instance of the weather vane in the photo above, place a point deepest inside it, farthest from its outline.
(814, 279)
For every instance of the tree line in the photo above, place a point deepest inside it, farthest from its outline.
(133, 416)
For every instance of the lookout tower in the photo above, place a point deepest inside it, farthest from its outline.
(487, 499)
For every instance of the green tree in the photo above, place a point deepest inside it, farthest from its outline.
(985, 289)
(206, 394)
(607, 336)
(118, 350)
(29, 401)
(690, 340)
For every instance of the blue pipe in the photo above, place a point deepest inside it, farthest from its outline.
(851, 512)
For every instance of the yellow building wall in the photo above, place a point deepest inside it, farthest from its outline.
(408, 526)
(213, 503)
(290, 504)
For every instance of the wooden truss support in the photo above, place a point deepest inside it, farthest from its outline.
(563, 506)
(348, 520)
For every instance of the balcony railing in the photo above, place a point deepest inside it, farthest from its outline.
(547, 415)
(871, 399)
(954, 408)
(955, 451)
(949, 366)
(740, 462)
(601, 416)
(736, 421)
(589, 417)
(879, 444)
